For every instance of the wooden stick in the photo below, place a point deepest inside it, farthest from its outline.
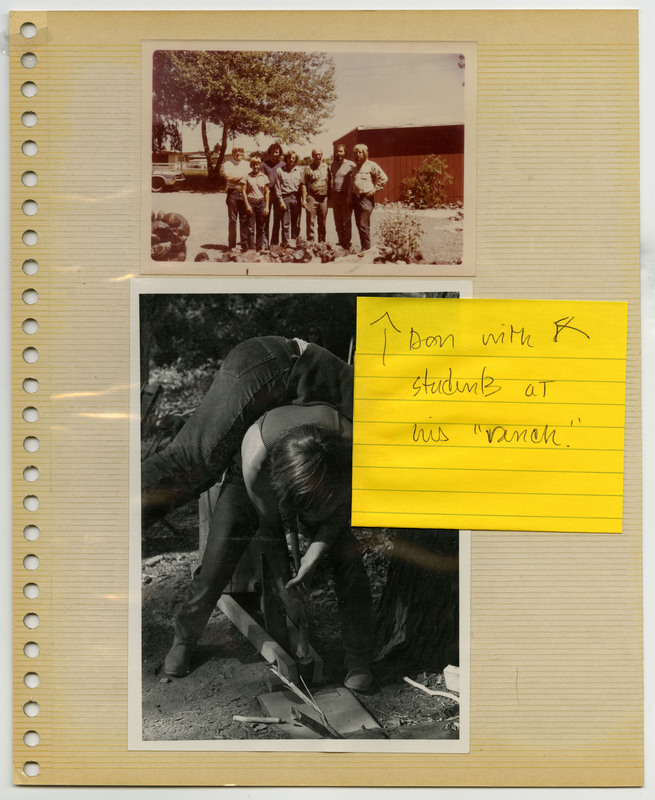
(431, 691)
(263, 720)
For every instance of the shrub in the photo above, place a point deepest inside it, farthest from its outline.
(400, 232)
(426, 188)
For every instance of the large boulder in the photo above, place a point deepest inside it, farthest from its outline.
(169, 232)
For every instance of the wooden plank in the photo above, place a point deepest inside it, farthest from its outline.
(257, 636)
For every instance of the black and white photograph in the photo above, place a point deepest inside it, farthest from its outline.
(264, 615)
(311, 160)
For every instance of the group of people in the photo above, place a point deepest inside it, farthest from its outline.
(277, 189)
(276, 427)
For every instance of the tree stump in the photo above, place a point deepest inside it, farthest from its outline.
(418, 620)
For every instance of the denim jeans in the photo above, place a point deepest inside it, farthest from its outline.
(316, 212)
(236, 211)
(255, 232)
(291, 217)
(363, 207)
(257, 375)
(234, 524)
(342, 218)
(272, 231)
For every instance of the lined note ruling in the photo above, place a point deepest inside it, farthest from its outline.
(489, 414)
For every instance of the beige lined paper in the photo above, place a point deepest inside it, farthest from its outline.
(557, 216)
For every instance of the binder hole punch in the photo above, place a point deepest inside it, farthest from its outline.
(30, 355)
(30, 207)
(31, 444)
(30, 266)
(29, 178)
(31, 474)
(31, 769)
(31, 649)
(29, 119)
(31, 562)
(30, 385)
(31, 533)
(30, 414)
(31, 708)
(31, 591)
(30, 326)
(31, 502)
(29, 148)
(28, 30)
(30, 296)
(30, 238)
(31, 620)
(31, 680)
(28, 60)
(31, 738)
(29, 89)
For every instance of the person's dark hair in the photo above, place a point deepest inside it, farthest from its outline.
(309, 467)
(314, 334)
(274, 146)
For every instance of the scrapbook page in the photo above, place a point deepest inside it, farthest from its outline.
(327, 428)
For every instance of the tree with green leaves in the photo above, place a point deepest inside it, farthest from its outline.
(285, 95)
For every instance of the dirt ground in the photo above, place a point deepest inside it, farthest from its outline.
(442, 243)
(228, 674)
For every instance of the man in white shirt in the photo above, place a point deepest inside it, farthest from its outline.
(234, 170)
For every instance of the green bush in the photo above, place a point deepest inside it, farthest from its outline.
(400, 232)
(426, 188)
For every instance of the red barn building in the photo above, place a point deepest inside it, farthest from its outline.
(399, 150)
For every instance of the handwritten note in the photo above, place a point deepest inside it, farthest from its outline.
(489, 414)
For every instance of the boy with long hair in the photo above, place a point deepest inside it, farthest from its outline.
(295, 467)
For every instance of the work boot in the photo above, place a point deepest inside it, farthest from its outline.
(359, 677)
(178, 661)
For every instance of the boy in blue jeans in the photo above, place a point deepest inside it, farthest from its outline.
(255, 191)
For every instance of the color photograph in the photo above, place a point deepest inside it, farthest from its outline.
(312, 160)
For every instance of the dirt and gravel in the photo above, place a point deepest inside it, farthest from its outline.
(442, 241)
(228, 674)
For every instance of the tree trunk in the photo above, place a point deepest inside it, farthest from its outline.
(213, 170)
(418, 621)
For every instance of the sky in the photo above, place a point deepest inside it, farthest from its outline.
(378, 89)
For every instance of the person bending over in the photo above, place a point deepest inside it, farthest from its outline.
(255, 376)
(294, 466)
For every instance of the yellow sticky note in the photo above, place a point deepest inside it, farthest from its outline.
(489, 414)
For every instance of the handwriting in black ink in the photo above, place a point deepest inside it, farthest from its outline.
(533, 390)
(513, 336)
(564, 324)
(502, 433)
(384, 350)
(428, 435)
(485, 386)
(416, 342)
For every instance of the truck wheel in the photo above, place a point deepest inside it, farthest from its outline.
(158, 184)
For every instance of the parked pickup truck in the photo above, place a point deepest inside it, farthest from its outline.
(163, 176)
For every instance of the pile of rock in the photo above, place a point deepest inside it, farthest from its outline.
(298, 251)
(301, 251)
(168, 236)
